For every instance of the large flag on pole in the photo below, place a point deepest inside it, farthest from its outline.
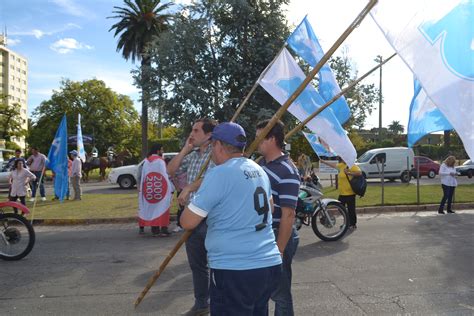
(155, 195)
(80, 142)
(319, 146)
(435, 39)
(282, 78)
(57, 160)
(303, 41)
(425, 117)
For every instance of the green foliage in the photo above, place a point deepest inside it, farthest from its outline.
(396, 128)
(10, 122)
(300, 145)
(440, 152)
(362, 99)
(169, 144)
(107, 116)
(211, 57)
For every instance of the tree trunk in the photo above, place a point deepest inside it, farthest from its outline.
(447, 139)
(145, 73)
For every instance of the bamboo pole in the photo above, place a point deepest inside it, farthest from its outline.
(264, 132)
(334, 99)
(310, 77)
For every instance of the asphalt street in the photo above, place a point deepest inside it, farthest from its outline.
(405, 264)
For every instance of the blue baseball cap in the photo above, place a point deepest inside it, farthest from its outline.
(230, 133)
(73, 152)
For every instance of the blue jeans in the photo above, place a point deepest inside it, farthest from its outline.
(197, 258)
(282, 295)
(448, 193)
(34, 184)
(243, 292)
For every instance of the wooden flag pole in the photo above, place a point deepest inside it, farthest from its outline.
(264, 132)
(300, 126)
(311, 75)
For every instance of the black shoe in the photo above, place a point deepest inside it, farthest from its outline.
(450, 212)
(155, 231)
(164, 232)
(440, 212)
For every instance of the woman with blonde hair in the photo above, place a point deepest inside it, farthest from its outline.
(447, 174)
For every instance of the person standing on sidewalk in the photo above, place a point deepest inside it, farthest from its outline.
(346, 195)
(447, 173)
(37, 162)
(285, 183)
(18, 179)
(235, 197)
(76, 175)
(191, 159)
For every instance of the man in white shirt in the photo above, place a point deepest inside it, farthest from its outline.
(76, 175)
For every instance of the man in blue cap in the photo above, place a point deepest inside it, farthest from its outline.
(235, 197)
(76, 174)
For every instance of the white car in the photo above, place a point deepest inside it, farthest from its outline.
(126, 176)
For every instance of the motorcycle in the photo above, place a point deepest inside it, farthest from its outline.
(17, 236)
(328, 217)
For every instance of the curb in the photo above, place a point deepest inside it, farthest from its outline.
(360, 210)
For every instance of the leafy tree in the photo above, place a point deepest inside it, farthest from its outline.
(211, 57)
(396, 128)
(140, 21)
(109, 117)
(10, 122)
(362, 99)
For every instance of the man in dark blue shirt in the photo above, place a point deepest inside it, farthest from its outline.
(285, 183)
(11, 162)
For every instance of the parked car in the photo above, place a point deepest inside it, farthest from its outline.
(126, 176)
(427, 167)
(4, 176)
(398, 162)
(466, 169)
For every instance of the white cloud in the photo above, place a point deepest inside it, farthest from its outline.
(72, 8)
(39, 33)
(13, 41)
(68, 45)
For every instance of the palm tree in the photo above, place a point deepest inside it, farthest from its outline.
(140, 21)
(396, 128)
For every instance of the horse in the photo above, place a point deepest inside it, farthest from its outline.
(102, 163)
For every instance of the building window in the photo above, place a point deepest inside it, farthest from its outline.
(24, 72)
(18, 89)
(18, 99)
(12, 87)
(24, 82)
(12, 67)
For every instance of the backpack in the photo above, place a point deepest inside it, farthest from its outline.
(358, 184)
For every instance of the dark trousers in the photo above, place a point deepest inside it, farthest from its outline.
(349, 201)
(282, 294)
(243, 292)
(197, 258)
(34, 184)
(14, 199)
(448, 193)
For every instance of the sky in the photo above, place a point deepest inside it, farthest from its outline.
(70, 39)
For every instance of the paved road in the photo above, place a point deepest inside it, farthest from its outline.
(393, 264)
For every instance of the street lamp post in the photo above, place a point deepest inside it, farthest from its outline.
(379, 60)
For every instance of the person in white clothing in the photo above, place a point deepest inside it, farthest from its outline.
(447, 174)
(76, 175)
(18, 179)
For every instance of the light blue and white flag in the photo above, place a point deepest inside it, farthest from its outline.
(435, 39)
(303, 41)
(283, 78)
(425, 117)
(319, 146)
(57, 160)
(80, 142)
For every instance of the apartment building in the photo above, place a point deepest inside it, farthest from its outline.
(14, 82)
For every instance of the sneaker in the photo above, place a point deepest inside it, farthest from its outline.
(197, 312)
(43, 199)
(32, 200)
(450, 212)
(440, 212)
(177, 229)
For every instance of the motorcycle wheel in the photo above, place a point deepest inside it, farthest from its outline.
(333, 228)
(17, 237)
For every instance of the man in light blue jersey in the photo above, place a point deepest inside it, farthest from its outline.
(235, 197)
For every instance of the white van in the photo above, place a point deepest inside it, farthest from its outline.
(398, 161)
